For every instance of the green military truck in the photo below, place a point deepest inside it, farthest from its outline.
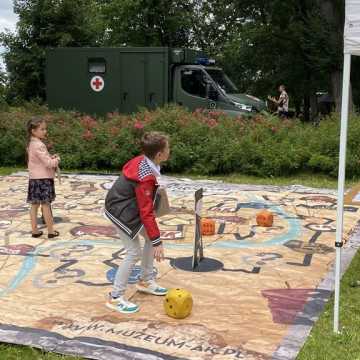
(102, 80)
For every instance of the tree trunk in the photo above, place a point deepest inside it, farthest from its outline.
(313, 107)
(336, 81)
(297, 105)
(306, 107)
(333, 12)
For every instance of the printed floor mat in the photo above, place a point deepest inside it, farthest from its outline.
(257, 297)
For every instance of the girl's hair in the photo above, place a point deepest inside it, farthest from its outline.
(31, 125)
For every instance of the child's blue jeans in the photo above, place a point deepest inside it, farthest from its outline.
(134, 252)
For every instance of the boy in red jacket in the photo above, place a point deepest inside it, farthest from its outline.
(129, 205)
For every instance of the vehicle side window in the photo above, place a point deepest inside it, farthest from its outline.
(192, 81)
(97, 65)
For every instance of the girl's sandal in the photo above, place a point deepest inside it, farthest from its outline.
(37, 234)
(54, 234)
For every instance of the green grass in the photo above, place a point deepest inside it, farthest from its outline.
(311, 180)
(9, 170)
(15, 352)
(322, 344)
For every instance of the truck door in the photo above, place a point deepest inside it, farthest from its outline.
(132, 80)
(156, 79)
(101, 85)
(190, 88)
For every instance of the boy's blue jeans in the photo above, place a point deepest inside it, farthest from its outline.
(134, 252)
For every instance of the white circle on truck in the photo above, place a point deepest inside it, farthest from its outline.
(97, 83)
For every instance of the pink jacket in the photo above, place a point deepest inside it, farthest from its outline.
(40, 164)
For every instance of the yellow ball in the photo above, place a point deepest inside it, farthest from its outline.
(178, 303)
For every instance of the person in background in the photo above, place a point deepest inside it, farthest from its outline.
(282, 102)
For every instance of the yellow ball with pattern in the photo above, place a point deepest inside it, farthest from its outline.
(178, 303)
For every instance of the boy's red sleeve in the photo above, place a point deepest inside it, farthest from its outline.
(144, 197)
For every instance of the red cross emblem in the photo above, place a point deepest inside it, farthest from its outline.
(97, 83)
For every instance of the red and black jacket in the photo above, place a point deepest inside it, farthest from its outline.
(129, 204)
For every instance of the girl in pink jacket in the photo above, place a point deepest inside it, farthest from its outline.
(42, 167)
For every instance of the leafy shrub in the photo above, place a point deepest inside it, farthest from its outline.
(201, 141)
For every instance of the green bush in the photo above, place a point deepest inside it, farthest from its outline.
(201, 142)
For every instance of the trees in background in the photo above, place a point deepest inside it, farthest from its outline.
(260, 43)
(298, 43)
(3, 82)
(148, 22)
(43, 24)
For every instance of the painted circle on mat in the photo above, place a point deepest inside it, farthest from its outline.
(11, 213)
(4, 224)
(319, 199)
(205, 265)
(292, 229)
(74, 197)
(107, 185)
(321, 227)
(262, 259)
(93, 230)
(134, 276)
(19, 249)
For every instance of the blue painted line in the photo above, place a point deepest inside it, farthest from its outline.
(294, 232)
(30, 261)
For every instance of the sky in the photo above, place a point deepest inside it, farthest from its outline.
(7, 19)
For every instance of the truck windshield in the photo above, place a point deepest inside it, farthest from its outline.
(223, 81)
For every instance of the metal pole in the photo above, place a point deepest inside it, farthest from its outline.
(341, 184)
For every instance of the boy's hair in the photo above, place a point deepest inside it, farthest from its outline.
(153, 142)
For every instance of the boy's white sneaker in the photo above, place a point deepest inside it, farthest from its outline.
(151, 287)
(121, 305)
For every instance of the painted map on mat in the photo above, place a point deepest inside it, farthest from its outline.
(53, 291)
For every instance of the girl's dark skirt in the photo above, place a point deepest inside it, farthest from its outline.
(41, 191)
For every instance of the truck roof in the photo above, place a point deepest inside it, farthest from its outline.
(176, 55)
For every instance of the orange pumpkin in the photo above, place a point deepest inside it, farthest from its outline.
(265, 218)
(207, 227)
